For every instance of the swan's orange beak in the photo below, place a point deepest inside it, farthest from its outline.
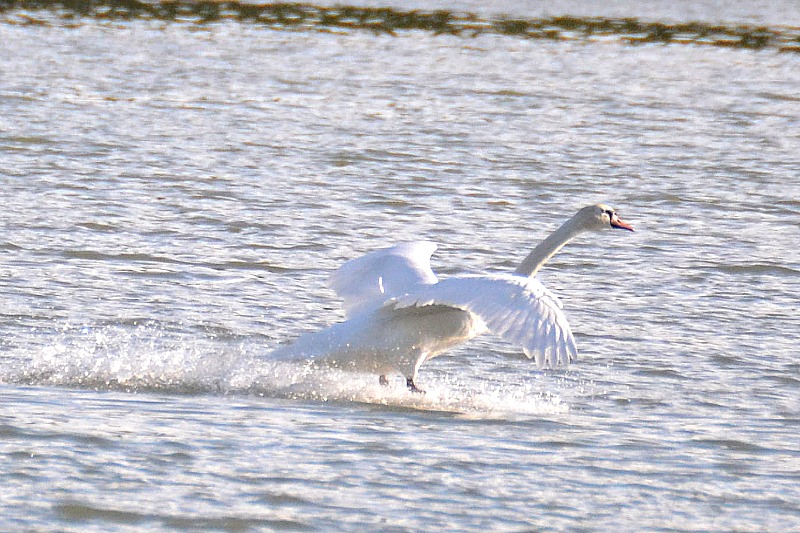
(617, 222)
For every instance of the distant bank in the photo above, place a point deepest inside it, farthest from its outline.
(298, 16)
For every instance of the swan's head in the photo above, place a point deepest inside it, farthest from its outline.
(599, 217)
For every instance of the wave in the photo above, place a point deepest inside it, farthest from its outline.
(152, 358)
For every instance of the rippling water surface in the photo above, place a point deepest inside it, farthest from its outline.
(174, 198)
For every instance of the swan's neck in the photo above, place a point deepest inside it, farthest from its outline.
(548, 248)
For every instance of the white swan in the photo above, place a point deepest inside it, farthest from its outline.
(400, 315)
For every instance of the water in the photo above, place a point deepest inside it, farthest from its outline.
(175, 197)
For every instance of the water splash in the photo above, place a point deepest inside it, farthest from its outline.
(136, 357)
(152, 357)
(444, 392)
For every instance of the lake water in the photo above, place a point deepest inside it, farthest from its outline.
(174, 197)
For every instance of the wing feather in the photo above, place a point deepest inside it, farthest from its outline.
(367, 282)
(518, 309)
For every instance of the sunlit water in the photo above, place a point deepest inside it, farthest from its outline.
(174, 199)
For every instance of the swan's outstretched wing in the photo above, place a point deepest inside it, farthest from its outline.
(368, 281)
(519, 309)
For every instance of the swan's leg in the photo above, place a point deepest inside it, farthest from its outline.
(383, 380)
(413, 387)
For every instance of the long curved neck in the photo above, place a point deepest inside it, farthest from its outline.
(548, 248)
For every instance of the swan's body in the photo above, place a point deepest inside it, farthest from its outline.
(400, 315)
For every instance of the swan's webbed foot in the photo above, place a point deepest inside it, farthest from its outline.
(383, 380)
(413, 387)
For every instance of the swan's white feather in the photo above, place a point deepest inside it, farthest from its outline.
(518, 309)
(400, 315)
(368, 281)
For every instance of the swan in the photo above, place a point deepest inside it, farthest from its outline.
(399, 315)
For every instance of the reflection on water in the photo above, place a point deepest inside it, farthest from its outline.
(390, 20)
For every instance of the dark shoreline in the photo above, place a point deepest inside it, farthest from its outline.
(297, 16)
